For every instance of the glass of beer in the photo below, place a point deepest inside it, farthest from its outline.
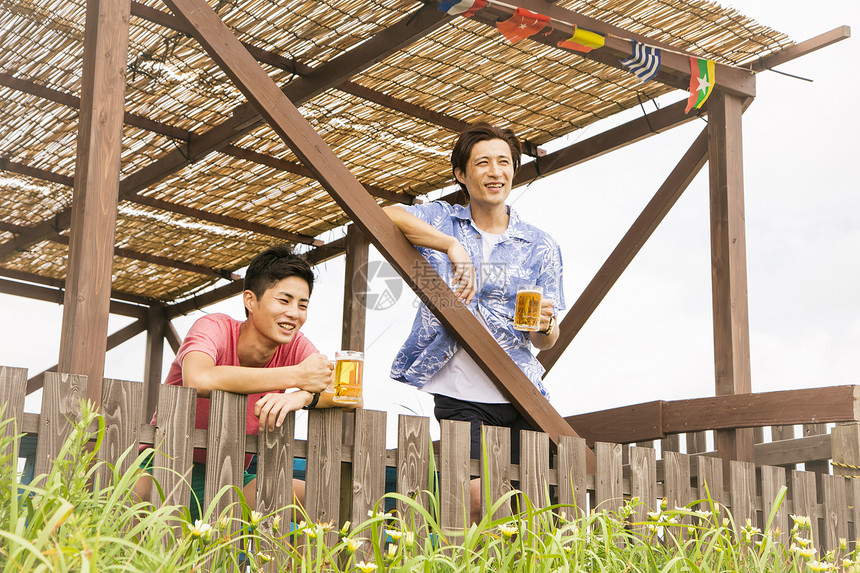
(348, 370)
(527, 312)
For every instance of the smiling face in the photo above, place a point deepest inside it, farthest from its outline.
(489, 173)
(282, 310)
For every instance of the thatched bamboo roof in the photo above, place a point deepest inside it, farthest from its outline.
(392, 122)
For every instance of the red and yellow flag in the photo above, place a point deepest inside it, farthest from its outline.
(521, 25)
(582, 41)
(702, 81)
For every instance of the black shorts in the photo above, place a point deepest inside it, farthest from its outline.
(476, 414)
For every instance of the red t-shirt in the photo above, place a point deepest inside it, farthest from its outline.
(217, 335)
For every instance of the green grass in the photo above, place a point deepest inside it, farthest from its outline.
(68, 521)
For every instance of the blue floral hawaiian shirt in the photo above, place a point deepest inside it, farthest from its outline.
(523, 255)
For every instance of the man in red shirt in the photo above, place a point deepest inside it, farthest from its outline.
(266, 357)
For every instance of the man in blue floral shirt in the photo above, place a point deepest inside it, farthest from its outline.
(489, 236)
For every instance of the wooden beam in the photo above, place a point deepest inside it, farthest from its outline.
(83, 339)
(355, 290)
(674, 62)
(172, 337)
(655, 420)
(155, 332)
(728, 264)
(286, 120)
(244, 118)
(115, 295)
(629, 246)
(138, 256)
(801, 49)
(124, 334)
(55, 295)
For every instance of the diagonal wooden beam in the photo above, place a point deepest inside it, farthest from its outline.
(122, 335)
(286, 120)
(632, 242)
(801, 49)
(183, 135)
(244, 118)
(674, 66)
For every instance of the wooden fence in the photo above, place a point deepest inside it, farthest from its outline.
(345, 480)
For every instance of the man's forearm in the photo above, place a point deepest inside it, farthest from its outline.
(417, 231)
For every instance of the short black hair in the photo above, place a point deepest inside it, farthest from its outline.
(274, 265)
(482, 132)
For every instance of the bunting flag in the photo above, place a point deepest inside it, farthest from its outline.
(521, 25)
(644, 62)
(582, 41)
(702, 80)
(464, 8)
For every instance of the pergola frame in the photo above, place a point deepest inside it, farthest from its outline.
(88, 297)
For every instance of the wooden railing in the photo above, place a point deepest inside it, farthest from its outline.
(621, 471)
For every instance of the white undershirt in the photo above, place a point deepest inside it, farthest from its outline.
(461, 377)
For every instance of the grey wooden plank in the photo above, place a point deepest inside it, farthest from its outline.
(275, 473)
(608, 476)
(13, 391)
(413, 467)
(820, 467)
(572, 490)
(495, 470)
(120, 407)
(676, 485)
(710, 479)
(172, 461)
(671, 443)
(325, 434)
(368, 470)
(853, 488)
(743, 493)
(804, 495)
(697, 442)
(835, 512)
(772, 480)
(534, 467)
(225, 451)
(643, 484)
(455, 479)
(61, 409)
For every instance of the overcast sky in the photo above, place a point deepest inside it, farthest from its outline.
(652, 337)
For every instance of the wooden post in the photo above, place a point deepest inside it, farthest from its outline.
(845, 445)
(88, 277)
(155, 333)
(728, 266)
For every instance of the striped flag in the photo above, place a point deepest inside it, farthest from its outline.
(464, 8)
(521, 25)
(644, 62)
(582, 41)
(702, 80)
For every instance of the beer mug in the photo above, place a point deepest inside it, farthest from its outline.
(527, 312)
(348, 370)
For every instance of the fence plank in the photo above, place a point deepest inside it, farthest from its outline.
(676, 484)
(820, 467)
(804, 494)
(845, 446)
(225, 449)
(275, 472)
(325, 434)
(173, 446)
(13, 391)
(853, 487)
(413, 466)
(743, 493)
(697, 442)
(495, 470)
(643, 484)
(571, 473)
(710, 476)
(454, 474)
(671, 443)
(608, 476)
(121, 401)
(772, 480)
(534, 467)
(61, 408)
(368, 474)
(835, 512)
